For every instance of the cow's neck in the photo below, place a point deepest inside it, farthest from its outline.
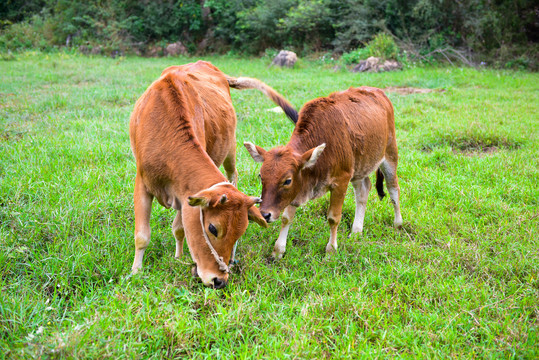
(195, 173)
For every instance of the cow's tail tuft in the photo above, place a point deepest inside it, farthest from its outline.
(380, 184)
(250, 83)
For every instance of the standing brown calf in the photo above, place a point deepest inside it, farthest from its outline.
(182, 128)
(338, 139)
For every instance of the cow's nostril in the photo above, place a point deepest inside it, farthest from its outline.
(219, 283)
(266, 216)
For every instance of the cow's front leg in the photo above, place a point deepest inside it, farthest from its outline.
(280, 244)
(334, 213)
(143, 210)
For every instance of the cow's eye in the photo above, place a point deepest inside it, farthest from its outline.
(287, 182)
(213, 230)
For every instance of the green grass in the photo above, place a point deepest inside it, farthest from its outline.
(460, 279)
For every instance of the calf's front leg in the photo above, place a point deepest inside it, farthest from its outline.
(334, 213)
(280, 244)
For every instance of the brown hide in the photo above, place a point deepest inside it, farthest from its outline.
(181, 130)
(358, 129)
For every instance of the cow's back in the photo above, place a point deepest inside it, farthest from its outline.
(214, 114)
(356, 125)
(187, 104)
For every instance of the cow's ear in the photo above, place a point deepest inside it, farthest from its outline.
(310, 157)
(256, 216)
(197, 200)
(217, 199)
(252, 200)
(257, 153)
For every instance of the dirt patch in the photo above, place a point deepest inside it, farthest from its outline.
(477, 151)
(11, 135)
(474, 146)
(404, 90)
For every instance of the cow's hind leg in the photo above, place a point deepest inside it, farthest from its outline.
(336, 201)
(143, 209)
(361, 191)
(280, 244)
(230, 166)
(389, 169)
(179, 234)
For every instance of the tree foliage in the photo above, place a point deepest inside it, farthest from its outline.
(479, 26)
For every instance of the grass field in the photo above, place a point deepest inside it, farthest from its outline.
(459, 280)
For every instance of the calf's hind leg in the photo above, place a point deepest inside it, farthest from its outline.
(179, 234)
(230, 166)
(389, 169)
(143, 209)
(361, 192)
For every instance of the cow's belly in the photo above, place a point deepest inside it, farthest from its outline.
(363, 170)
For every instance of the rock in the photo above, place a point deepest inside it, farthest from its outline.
(84, 49)
(285, 58)
(96, 50)
(374, 64)
(390, 65)
(154, 51)
(176, 49)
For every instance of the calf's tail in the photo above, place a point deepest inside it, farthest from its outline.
(250, 83)
(380, 184)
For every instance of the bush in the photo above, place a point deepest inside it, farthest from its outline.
(353, 57)
(382, 46)
(35, 33)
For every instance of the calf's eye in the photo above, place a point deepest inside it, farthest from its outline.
(287, 182)
(213, 230)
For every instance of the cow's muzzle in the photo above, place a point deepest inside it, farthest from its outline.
(219, 283)
(267, 216)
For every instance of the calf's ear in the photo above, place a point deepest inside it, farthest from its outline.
(256, 216)
(257, 153)
(310, 157)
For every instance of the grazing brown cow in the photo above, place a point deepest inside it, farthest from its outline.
(338, 139)
(182, 128)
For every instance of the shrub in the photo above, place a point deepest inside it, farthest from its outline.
(353, 57)
(30, 34)
(382, 46)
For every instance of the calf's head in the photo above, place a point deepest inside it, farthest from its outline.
(281, 175)
(218, 215)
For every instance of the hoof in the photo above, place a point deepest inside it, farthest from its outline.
(356, 233)
(330, 249)
(276, 256)
(233, 262)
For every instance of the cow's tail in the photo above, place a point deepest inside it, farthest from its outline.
(250, 83)
(380, 184)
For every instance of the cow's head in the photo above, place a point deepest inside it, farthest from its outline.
(281, 175)
(224, 212)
